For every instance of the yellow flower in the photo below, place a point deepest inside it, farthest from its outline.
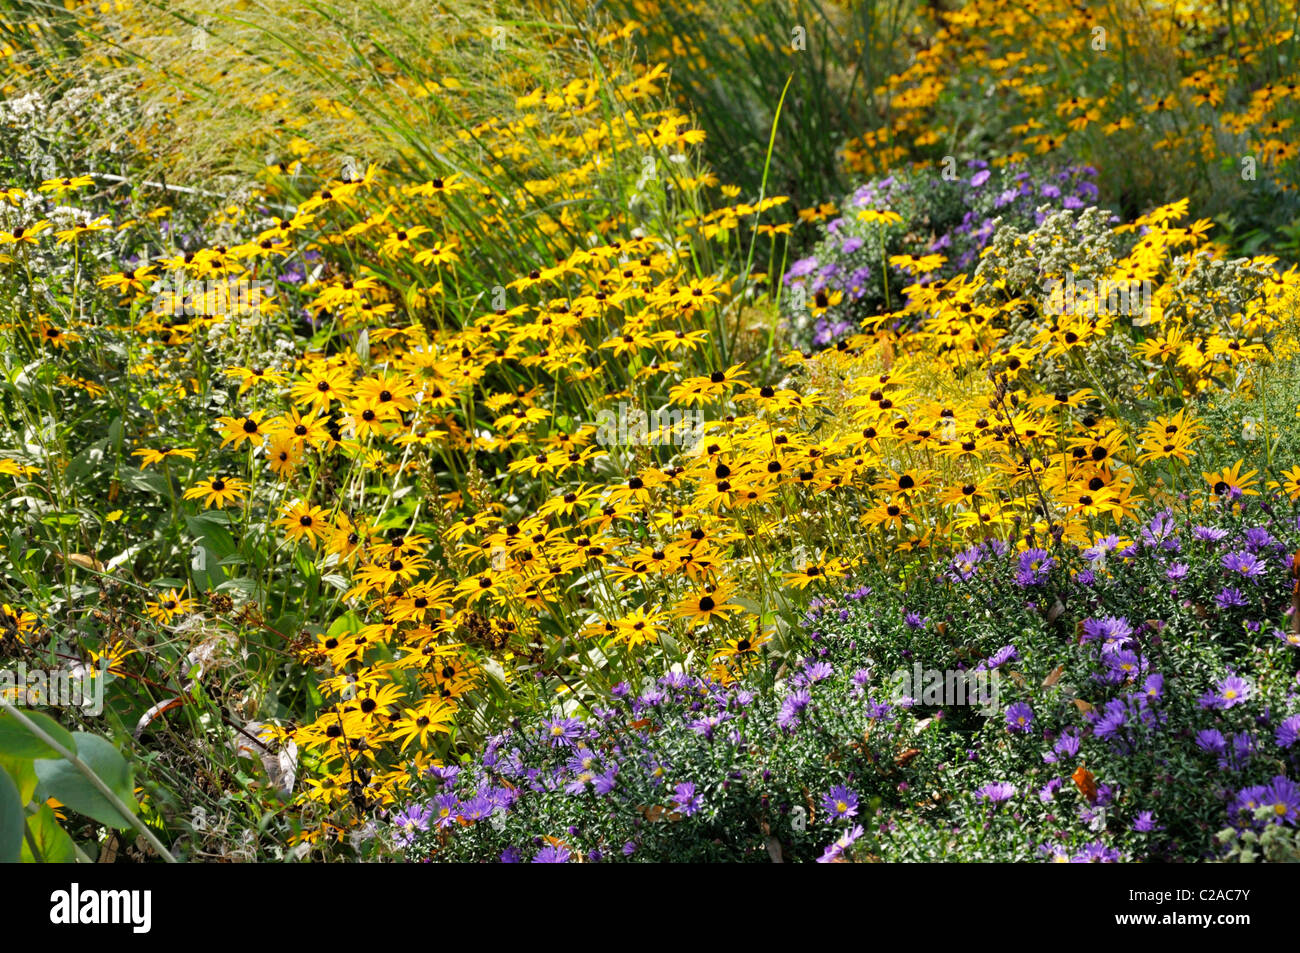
(302, 520)
(1231, 481)
(218, 491)
(168, 605)
(61, 187)
(149, 457)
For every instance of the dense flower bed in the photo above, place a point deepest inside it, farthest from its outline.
(1139, 696)
(489, 467)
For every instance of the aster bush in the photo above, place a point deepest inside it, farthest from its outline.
(922, 226)
(1146, 696)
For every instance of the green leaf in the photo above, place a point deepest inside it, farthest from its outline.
(17, 742)
(61, 779)
(61, 519)
(12, 820)
(85, 462)
(346, 623)
(146, 481)
(52, 840)
(213, 545)
(23, 771)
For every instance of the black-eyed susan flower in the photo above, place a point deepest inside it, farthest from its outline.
(218, 491)
(705, 606)
(169, 605)
(149, 457)
(301, 520)
(238, 430)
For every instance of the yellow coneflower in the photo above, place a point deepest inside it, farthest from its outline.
(217, 491)
(704, 607)
(237, 430)
(149, 457)
(169, 605)
(301, 520)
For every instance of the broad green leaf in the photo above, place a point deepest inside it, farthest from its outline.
(16, 741)
(23, 771)
(12, 820)
(51, 840)
(347, 622)
(61, 519)
(213, 545)
(60, 779)
(86, 461)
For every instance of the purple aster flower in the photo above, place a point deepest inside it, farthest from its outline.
(1096, 853)
(996, 793)
(840, 803)
(1144, 822)
(1257, 538)
(410, 822)
(1232, 691)
(792, 708)
(1176, 571)
(1055, 853)
(1154, 686)
(878, 711)
(606, 782)
(685, 800)
(842, 843)
(1160, 533)
(563, 731)
(1283, 798)
(979, 178)
(1211, 740)
(1106, 629)
(444, 810)
(447, 774)
(1100, 548)
(1048, 791)
(964, 564)
(1230, 596)
(706, 726)
(1209, 534)
(1248, 564)
(817, 671)
(804, 266)
(1288, 733)
(552, 855)
(1122, 665)
(1019, 718)
(1111, 720)
(1067, 746)
(477, 808)
(1035, 566)
(1002, 656)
